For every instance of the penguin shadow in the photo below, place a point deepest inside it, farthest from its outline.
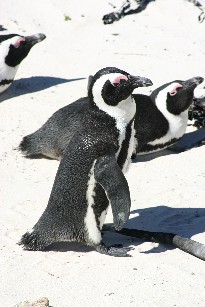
(185, 222)
(188, 141)
(33, 84)
(68, 247)
(36, 156)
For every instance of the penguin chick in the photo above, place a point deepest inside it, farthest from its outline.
(160, 120)
(90, 174)
(13, 49)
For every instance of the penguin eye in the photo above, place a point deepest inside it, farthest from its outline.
(117, 80)
(174, 91)
(18, 42)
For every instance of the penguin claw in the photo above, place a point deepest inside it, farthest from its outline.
(119, 251)
(116, 250)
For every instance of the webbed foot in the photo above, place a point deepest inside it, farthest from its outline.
(116, 250)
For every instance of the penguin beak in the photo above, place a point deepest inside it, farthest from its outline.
(139, 81)
(34, 39)
(192, 83)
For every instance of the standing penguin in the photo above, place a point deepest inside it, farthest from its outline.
(160, 121)
(13, 49)
(90, 174)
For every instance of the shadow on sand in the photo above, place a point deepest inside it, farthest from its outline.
(186, 222)
(31, 85)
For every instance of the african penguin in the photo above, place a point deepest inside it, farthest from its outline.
(129, 7)
(168, 115)
(13, 49)
(160, 120)
(90, 174)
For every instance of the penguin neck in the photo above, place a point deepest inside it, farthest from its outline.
(177, 123)
(123, 113)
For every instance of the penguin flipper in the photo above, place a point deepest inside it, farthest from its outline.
(109, 175)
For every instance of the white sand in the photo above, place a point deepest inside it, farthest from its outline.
(165, 42)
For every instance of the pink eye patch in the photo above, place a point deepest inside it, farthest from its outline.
(174, 91)
(118, 79)
(18, 42)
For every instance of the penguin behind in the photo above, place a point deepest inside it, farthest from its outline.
(13, 49)
(167, 108)
(90, 174)
(160, 121)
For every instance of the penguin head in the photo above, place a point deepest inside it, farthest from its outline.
(177, 96)
(14, 48)
(112, 86)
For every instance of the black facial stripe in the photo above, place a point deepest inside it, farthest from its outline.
(16, 55)
(102, 72)
(112, 95)
(5, 81)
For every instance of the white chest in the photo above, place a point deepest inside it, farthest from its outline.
(6, 72)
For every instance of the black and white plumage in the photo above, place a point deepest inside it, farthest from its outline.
(129, 7)
(2, 28)
(167, 107)
(13, 49)
(90, 174)
(197, 112)
(161, 119)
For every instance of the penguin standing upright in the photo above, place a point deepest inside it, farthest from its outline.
(90, 174)
(160, 121)
(13, 49)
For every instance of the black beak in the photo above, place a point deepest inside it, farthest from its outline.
(192, 83)
(34, 39)
(139, 81)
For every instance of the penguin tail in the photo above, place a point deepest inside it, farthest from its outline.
(32, 241)
(29, 146)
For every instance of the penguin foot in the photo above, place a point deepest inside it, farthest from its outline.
(110, 18)
(116, 250)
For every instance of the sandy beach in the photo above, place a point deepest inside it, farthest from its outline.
(165, 42)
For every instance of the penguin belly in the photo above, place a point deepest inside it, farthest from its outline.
(7, 75)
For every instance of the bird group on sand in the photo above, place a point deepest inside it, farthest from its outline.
(95, 138)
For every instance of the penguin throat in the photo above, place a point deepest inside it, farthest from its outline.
(123, 113)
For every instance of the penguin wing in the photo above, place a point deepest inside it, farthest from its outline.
(109, 175)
